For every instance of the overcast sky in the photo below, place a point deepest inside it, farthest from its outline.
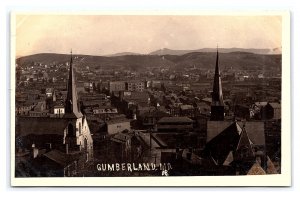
(101, 35)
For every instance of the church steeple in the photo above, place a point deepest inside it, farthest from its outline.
(217, 105)
(71, 110)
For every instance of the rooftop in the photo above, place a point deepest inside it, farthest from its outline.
(175, 119)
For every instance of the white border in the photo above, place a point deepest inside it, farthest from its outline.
(283, 179)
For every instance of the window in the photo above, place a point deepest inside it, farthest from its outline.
(80, 128)
(70, 130)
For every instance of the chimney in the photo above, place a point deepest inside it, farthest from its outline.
(48, 147)
(121, 95)
(35, 151)
(67, 148)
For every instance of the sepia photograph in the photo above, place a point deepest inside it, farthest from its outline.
(155, 99)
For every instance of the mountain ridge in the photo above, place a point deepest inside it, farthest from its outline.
(201, 60)
(166, 51)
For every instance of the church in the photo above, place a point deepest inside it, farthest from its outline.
(55, 146)
(233, 147)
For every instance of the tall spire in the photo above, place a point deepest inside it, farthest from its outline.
(217, 105)
(71, 110)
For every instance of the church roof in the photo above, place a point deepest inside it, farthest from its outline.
(221, 145)
(255, 130)
(216, 127)
(244, 140)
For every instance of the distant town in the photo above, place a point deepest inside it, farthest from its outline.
(193, 114)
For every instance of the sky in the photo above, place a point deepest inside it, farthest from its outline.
(110, 34)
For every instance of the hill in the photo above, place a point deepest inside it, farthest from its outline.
(205, 60)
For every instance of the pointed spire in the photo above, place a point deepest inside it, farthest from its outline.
(217, 72)
(71, 110)
(217, 94)
(217, 104)
(71, 61)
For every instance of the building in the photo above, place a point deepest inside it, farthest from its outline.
(116, 86)
(138, 86)
(39, 110)
(49, 92)
(117, 125)
(58, 109)
(105, 110)
(121, 143)
(69, 138)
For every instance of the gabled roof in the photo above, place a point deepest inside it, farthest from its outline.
(270, 167)
(256, 169)
(264, 103)
(255, 131)
(244, 140)
(121, 137)
(229, 159)
(275, 105)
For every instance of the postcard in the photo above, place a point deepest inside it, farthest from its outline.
(150, 99)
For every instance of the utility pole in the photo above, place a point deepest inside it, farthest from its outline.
(150, 133)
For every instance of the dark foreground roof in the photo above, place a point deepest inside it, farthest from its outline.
(40, 125)
(255, 130)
